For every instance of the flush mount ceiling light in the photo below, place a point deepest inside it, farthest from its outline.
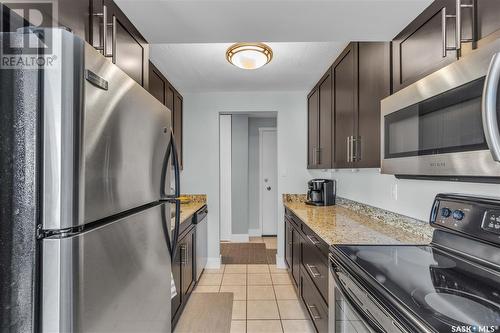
(249, 55)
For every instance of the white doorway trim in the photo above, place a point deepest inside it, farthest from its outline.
(261, 170)
(225, 203)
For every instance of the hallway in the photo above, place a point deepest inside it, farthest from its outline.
(259, 250)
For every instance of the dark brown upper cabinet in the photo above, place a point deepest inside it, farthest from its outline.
(345, 105)
(160, 88)
(374, 84)
(116, 37)
(445, 31)
(157, 83)
(487, 17)
(344, 108)
(325, 122)
(312, 128)
(320, 124)
(177, 124)
(425, 45)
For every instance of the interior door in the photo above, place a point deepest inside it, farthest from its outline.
(268, 181)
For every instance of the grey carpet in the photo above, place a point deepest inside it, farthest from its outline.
(206, 313)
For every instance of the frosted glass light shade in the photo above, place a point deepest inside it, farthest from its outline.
(249, 55)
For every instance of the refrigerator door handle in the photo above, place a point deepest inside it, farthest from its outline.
(172, 151)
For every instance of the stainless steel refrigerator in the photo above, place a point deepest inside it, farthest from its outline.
(91, 185)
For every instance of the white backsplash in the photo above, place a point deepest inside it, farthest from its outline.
(412, 198)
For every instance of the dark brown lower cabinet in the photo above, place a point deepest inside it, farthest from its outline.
(296, 255)
(288, 244)
(315, 263)
(187, 250)
(306, 256)
(314, 303)
(292, 250)
(176, 273)
(183, 270)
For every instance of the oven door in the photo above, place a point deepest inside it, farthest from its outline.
(352, 310)
(447, 123)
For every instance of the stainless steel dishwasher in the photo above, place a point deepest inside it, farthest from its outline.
(201, 240)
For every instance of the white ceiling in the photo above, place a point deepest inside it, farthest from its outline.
(203, 67)
(189, 37)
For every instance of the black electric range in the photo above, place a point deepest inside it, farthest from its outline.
(451, 285)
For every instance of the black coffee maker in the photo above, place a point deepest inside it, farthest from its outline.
(321, 192)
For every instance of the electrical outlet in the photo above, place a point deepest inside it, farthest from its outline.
(394, 191)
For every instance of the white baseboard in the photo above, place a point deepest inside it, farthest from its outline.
(280, 262)
(239, 238)
(254, 233)
(213, 263)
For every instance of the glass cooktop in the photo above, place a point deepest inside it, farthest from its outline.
(442, 290)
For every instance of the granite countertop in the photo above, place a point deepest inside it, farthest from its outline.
(188, 209)
(349, 222)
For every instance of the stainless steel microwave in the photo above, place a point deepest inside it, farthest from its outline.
(446, 125)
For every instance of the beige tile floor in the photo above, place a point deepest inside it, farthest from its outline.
(264, 298)
(271, 242)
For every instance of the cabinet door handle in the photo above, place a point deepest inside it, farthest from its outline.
(348, 150)
(313, 239)
(113, 40)
(353, 149)
(444, 33)
(183, 254)
(318, 155)
(104, 15)
(458, 25)
(314, 312)
(310, 269)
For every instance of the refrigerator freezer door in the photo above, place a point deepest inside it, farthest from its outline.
(113, 278)
(104, 151)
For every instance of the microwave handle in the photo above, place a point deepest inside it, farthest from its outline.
(489, 107)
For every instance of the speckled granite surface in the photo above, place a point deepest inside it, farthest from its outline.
(188, 209)
(351, 222)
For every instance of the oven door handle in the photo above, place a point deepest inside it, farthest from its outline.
(366, 320)
(489, 107)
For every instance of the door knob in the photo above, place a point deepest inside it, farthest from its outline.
(268, 188)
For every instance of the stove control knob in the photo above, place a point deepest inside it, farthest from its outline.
(458, 215)
(445, 212)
